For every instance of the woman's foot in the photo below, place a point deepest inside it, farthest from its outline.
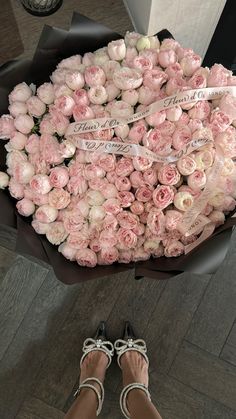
(134, 368)
(94, 365)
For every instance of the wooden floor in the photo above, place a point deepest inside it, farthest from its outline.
(188, 323)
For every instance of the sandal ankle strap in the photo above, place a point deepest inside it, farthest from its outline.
(124, 395)
(121, 346)
(100, 396)
(98, 345)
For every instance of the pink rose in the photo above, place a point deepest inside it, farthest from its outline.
(227, 141)
(95, 245)
(112, 206)
(116, 49)
(127, 239)
(46, 214)
(140, 254)
(61, 90)
(94, 76)
(40, 184)
(78, 239)
(204, 159)
(198, 79)
(127, 78)
(150, 176)
(73, 220)
(142, 63)
(24, 123)
(7, 127)
(20, 93)
(110, 67)
(125, 256)
(157, 142)
(167, 57)
(124, 167)
(121, 109)
(163, 196)
(17, 108)
(46, 125)
(59, 198)
(56, 233)
(228, 105)
(86, 257)
(59, 121)
(35, 106)
(81, 112)
(154, 79)
(174, 70)
(200, 111)
(181, 137)
(219, 121)
(146, 96)
(137, 207)
(136, 179)
(130, 96)
(217, 217)
(80, 97)
(122, 183)
(83, 206)
(91, 171)
(195, 124)
(112, 91)
(175, 85)
(67, 251)
(126, 198)
(107, 162)
(173, 249)
(16, 189)
(173, 114)
(50, 149)
(127, 220)
(40, 228)
(107, 238)
(17, 141)
(45, 92)
(32, 144)
(107, 256)
(74, 80)
(218, 76)
(169, 174)
(190, 64)
(186, 165)
(65, 104)
(23, 172)
(151, 54)
(144, 193)
(172, 219)
(59, 177)
(98, 95)
(98, 184)
(141, 163)
(110, 222)
(156, 118)
(71, 63)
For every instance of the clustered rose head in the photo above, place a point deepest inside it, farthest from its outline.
(101, 208)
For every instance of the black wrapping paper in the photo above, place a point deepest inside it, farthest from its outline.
(55, 44)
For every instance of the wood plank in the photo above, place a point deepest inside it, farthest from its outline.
(59, 375)
(206, 373)
(172, 317)
(35, 409)
(175, 400)
(29, 348)
(17, 291)
(217, 311)
(8, 237)
(229, 351)
(6, 260)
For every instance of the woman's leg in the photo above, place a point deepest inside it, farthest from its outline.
(135, 370)
(86, 403)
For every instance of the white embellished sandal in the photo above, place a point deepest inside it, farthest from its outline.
(130, 343)
(98, 343)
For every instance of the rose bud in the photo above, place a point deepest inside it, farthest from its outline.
(46, 93)
(35, 106)
(183, 201)
(116, 49)
(20, 93)
(143, 43)
(24, 123)
(17, 108)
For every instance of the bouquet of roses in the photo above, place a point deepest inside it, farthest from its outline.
(126, 154)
